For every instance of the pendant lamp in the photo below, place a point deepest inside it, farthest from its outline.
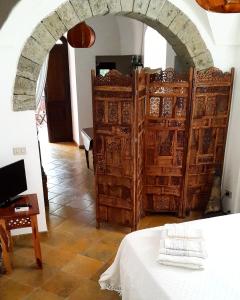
(81, 36)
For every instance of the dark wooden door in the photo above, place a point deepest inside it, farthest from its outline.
(58, 99)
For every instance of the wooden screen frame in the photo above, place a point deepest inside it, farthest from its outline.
(116, 84)
(138, 90)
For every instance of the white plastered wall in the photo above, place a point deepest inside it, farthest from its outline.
(115, 35)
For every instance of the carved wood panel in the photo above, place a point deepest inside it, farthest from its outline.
(162, 157)
(211, 100)
(140, 99)
(118, 116)
(166, 136)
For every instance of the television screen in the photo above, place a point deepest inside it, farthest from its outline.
(12, 182)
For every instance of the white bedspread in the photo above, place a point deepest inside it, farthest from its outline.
(139, 277)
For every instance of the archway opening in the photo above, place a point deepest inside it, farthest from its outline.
(163, 16)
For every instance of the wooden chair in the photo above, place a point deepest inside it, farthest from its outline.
(4, 241)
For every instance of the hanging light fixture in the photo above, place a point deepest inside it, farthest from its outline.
(81, 36)
(221, 6)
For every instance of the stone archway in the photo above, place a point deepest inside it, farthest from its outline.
(162, 15)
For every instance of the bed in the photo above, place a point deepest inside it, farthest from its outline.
(137, 276)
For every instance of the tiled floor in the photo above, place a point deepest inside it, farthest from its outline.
(74, 252)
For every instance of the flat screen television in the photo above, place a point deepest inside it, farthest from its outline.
(12, 182)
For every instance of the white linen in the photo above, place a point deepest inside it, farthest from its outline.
(181, 261)
(178, 247)
(183, 231)
(138, 276)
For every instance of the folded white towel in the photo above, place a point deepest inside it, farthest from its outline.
(182, 246)
(181, 261)
(182, 231)
(179, 247)
(181, 243)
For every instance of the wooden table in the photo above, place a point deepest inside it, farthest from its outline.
(10, 220)
(87, 136)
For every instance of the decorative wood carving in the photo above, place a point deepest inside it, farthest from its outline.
(211, 100)
(118, 132)
(159, 139)
(114, 78)
(166, 128)
(168, 75)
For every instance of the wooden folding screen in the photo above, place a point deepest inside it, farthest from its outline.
(117, 127)
(211, 100)
(162, 157)
(166, 137)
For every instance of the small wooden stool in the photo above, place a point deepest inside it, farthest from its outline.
(9, 219)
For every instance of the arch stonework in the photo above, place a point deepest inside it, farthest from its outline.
(162, 15)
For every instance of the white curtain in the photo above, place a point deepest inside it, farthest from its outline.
(41, 82)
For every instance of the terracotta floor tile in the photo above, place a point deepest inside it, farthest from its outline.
(100, 271)
(31, 275)
(3, 279)
(61, 199)
(58, 238)
(85, 217)
(40, 294)
(72, 226)
(24, 240)
(55, 180)
(52, 195)
(89, 231)
(101, 251)
(53, 206)
(13, 290)
(57, 188)
(114, 238)
(79, 246)
(80, 203)
(86, 194)
(50, 185)
(92, 208)
(62, 284)
(66, 212)
(53, 221)
(22, 257)
(83, 267)
(56, 257)
(26, 260)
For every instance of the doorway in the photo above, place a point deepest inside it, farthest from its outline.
(53, 114)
